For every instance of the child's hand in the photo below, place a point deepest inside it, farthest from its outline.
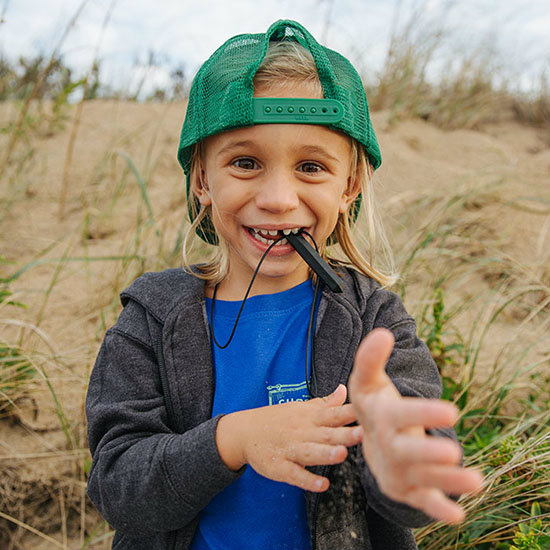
(278, 441)
(409, 466)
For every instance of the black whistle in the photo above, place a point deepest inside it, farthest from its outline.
(312, 258)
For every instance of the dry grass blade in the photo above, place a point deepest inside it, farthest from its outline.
(32, 530)
(517, 474)
(471, 233)
(16, 131)
(77, 117)
(68, 455)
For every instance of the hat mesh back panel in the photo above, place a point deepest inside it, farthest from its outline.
(220, 98)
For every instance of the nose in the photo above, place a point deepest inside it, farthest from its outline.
(277, 194)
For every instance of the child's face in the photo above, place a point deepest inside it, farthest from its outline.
(272, 177)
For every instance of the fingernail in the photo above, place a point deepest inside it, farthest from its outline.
(357, 432)
(319, 483)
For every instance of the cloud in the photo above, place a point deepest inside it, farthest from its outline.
(187, 32)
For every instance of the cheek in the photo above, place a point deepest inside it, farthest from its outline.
(228, 200)
(328, 204)
(332, 222)
(221, 193)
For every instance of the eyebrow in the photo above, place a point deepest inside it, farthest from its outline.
(235, 145)
(313, 149)
(308, 149)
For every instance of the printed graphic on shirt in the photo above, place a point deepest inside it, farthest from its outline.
(285, 393)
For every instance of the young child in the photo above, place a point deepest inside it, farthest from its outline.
(217, 423)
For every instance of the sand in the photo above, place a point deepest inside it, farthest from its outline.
(69, 304)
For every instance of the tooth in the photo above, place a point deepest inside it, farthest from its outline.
(264, 231)
(282, 241)
(295, 230)
(258, 237)
(286, 231)
(273, 232)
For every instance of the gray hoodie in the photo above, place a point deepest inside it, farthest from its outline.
(155, 461)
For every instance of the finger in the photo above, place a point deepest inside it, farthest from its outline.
(450, 479)
(437, 450)
(290, 472)
(370, 361)
(314, 454)
(337, 397)
(338, 436)
(434, 503)
(429, 413)
(336, 416)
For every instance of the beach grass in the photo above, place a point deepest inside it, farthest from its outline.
(473, 257)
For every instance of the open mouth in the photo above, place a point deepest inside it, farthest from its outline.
(268, 236)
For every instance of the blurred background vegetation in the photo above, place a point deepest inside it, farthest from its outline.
(471, 94)
(425, 74)
(79, 221)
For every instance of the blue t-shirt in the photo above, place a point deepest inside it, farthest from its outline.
(263, 365)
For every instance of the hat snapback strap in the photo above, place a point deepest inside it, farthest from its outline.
(295, 110)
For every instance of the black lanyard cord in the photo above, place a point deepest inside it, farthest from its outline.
(311, 386)
(243, 302)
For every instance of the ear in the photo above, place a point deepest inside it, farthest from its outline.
(351, 192)
(199, 185)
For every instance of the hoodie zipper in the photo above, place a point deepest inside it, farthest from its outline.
(164, 383)
(316, 499)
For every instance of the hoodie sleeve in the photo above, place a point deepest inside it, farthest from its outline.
(415, 374)
(145, 478)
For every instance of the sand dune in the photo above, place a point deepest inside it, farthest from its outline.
(504, 168)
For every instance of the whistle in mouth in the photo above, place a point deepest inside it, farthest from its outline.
(312, 258)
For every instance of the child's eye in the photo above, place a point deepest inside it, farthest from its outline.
(245, 164)
(310, 168)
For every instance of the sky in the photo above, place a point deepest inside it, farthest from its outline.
(121, 33)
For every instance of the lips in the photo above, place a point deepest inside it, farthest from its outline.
(275, 233)
(267, 236)
(268, 239)
(262, 242)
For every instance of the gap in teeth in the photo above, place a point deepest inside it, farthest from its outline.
(258, 235)
(274, 232)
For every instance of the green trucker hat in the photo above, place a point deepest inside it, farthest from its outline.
(222, 98)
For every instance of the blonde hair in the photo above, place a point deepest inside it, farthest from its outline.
(285, 63)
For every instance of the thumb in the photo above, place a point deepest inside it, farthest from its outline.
(337, 397)
(369, 372)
